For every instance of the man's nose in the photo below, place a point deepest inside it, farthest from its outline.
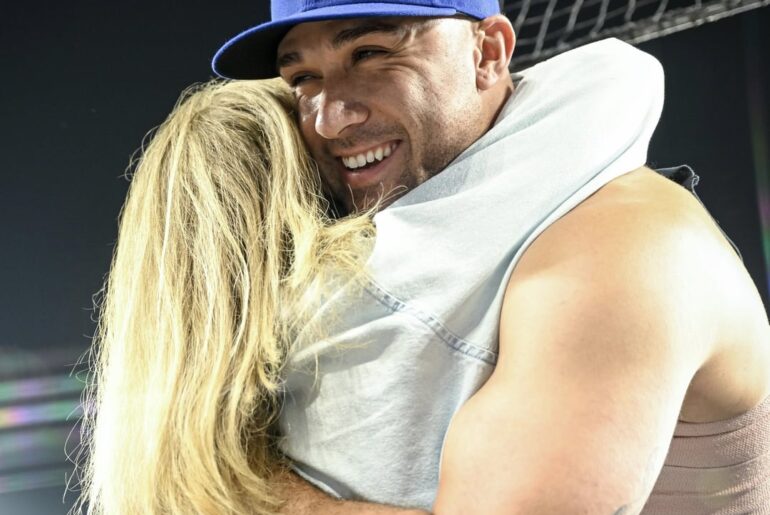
(336, 113)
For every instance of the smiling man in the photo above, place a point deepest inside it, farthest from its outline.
(398, 82)
(537, 336)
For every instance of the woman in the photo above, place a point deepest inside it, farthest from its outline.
(224, 228)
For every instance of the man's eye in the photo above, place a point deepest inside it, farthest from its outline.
(364, 53)
(299, 79)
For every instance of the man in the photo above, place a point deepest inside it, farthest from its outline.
(625, 318)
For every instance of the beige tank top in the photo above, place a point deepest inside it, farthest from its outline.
(717, 468)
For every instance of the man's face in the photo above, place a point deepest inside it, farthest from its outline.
(384, 103)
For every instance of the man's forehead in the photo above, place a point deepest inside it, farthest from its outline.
(312, 33)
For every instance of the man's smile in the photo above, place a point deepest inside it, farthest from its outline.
(369, 167)
(361, 158)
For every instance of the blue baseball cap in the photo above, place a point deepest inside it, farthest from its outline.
(252, 53)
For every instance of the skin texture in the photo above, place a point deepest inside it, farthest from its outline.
(305, 499)
(429, 87)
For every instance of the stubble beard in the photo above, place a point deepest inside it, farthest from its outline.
(457, 136)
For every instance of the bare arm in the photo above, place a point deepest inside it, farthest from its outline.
(604, 324)
(304, 499)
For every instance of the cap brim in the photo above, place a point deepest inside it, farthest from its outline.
(252, 53)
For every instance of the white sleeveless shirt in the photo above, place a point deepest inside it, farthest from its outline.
(422, 337)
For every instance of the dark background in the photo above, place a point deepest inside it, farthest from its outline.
(83, 82)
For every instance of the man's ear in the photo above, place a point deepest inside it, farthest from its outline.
(495, 42)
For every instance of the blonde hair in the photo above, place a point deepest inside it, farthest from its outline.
(223, 229)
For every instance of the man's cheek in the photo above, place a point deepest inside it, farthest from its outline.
(307, 128)
(306, 121)
(307, 107)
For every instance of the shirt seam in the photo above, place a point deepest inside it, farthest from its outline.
(433, 323)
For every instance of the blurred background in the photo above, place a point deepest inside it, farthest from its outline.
(84, 81)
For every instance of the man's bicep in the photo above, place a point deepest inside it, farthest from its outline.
(581, 408)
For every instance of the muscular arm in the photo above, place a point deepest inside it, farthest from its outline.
(604, 324)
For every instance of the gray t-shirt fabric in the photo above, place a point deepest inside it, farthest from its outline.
(366, 410)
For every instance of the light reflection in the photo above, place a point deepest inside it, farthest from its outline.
(45, 412)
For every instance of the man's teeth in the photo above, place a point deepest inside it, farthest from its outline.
(378, 154)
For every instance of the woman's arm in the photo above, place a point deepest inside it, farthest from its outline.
(302, 498)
